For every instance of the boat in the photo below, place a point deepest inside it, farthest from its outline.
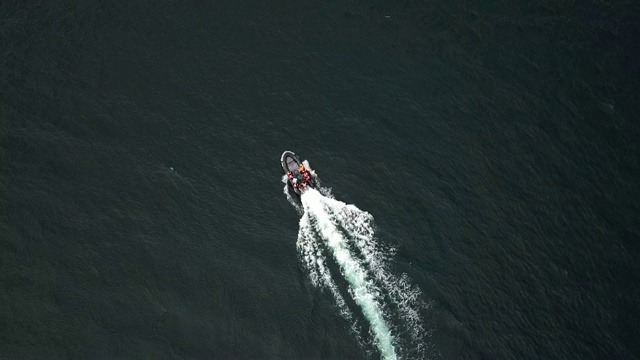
(300, 178)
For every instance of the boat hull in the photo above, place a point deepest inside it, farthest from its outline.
(298, 180)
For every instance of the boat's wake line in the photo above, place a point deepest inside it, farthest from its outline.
(332, 231)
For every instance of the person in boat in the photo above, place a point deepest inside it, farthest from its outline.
(303, 172)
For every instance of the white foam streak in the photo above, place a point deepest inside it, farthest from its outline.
(313, 258)
(361, 288)
(405, 296)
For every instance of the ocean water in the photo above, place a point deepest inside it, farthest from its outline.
(479, 165)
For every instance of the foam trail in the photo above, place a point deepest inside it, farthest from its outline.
(313, 258)
(358, 224)
(362, 289)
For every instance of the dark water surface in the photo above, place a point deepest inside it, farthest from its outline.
(496, 145)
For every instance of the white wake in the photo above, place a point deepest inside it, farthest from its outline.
(331, 229)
